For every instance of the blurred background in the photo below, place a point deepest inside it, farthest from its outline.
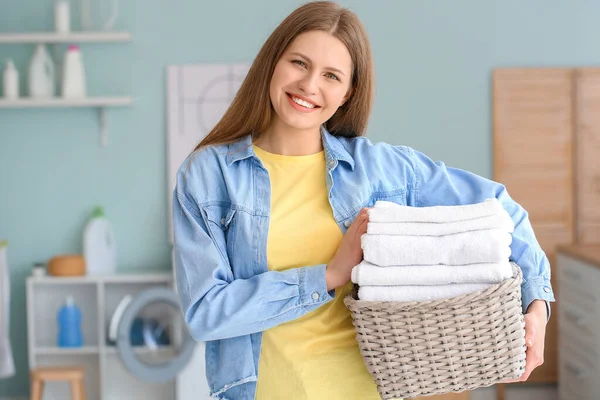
(508, 90)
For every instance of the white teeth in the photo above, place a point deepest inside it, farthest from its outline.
(302, 102)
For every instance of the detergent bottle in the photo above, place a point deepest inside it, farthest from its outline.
(99, 248)
(69, 324)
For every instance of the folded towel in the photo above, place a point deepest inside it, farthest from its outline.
(418, 293)
(496, 221)
(367, 274)
(385, 211)
(485, 246)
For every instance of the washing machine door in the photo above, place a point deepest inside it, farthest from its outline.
(151, 336)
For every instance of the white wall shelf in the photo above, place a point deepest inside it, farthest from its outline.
(155, 277)
(55, 39)
(73, 37)
(99, 102)
(97, 297)
(25, 102)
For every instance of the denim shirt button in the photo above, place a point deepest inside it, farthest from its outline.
(546, 289)
(315, 296)
(347, 224)
(222, 221)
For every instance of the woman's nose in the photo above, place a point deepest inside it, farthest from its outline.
(308, 84)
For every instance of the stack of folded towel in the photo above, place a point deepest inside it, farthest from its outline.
(429, 253)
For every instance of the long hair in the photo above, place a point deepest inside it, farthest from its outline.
(251, 110)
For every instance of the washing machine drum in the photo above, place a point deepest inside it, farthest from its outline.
(151, 336)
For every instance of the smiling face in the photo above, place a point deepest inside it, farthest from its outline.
(311, 81)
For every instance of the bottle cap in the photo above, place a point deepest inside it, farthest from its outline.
(98, 212)
(73, 47)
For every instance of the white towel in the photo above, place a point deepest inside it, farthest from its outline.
(485, 246)
(496, 221)
(418, 293)
(367, 274)
(385, 211)
(7, 365)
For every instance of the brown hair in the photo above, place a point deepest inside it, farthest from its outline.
(251, 109)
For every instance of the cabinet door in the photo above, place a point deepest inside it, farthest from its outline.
(533, 156)
(579, 325)
(587, 104)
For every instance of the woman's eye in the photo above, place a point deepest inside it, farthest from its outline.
(332, 76)
(300, 63)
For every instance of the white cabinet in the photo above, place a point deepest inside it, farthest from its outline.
(97, 297)
(578, 268)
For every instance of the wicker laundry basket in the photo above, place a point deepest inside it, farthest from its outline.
(422, 348)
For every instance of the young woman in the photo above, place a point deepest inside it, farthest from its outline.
(270, 207)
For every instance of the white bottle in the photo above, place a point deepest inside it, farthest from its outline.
(62, 16)
(10, 80)
(73, 82)
(41, 74)
(99, 248)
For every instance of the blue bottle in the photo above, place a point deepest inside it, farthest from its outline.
(69, 325)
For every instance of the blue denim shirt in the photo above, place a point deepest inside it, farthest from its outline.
(221, 217)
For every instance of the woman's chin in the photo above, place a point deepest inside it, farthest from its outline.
(302, 124)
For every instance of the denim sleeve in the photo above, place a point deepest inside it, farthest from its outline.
(217, 306)
(436, 184)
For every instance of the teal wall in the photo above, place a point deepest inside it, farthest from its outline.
(433, 63)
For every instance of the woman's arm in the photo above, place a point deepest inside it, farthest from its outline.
(217, 306)
(435, 184)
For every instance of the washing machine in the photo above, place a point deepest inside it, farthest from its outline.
(154, 345)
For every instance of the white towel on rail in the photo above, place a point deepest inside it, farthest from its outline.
(385, 211)
(7, 365)
(367, 274)
(485, 246)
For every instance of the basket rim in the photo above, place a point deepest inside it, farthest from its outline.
(514, 281)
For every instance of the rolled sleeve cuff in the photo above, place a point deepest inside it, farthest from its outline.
(313, 287)
(537, 289)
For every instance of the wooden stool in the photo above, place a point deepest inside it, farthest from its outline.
(73, 375)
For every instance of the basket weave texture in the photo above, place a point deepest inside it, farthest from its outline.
(422, 348)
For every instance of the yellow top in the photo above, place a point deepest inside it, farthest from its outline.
(315, 356)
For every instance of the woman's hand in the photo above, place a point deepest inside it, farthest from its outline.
(535, 333)
(348, 254)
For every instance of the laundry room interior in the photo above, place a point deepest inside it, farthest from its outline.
(101, 101)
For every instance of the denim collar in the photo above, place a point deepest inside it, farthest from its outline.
(334, 150)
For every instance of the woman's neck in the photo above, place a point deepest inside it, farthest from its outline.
(290, 142)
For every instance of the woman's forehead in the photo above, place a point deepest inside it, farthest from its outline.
(323, 49)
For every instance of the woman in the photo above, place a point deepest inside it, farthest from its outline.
(270, 207)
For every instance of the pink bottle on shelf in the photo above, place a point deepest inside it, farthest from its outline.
(73, 80)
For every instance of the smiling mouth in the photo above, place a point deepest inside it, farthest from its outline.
(302, 103)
